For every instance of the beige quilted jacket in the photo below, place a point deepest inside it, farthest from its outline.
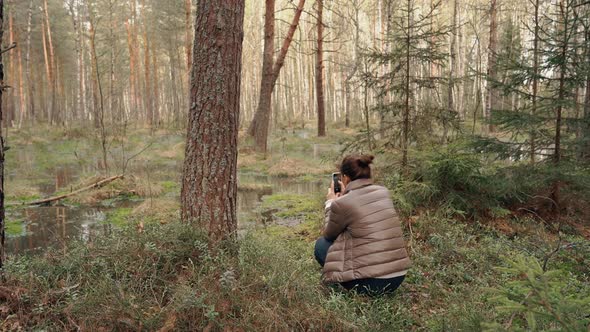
(369, 240)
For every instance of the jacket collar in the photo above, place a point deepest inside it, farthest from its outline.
(358, 184)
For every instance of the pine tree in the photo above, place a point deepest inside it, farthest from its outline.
(415, 43)
(209, 185)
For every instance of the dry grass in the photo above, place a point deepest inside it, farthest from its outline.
(293, 167)
(163, 209)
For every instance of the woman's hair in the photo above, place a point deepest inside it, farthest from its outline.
(357, 166)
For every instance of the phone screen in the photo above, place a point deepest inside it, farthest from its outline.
(336, 179)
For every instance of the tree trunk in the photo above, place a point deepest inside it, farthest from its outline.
(261, 122)
(406, 115)
(535, 79)
(187, 41)
(12, 97)
(492, 94)
(564, 15)
(2, 214)
(30, 85)
(319, 72)
(54, 112)
(47, 69)
(209, 186)
(132, 73)
(21, 88)
(451, 79)
(78, 94)
(156, 86)
(586, 121)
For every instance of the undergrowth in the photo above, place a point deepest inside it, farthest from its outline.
(164, 277)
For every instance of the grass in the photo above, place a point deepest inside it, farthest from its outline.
(164, 276)
(14, 228)
(119, 217)
(161, 276)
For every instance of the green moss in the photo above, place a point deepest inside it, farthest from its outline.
(15, 228)
(119, 217)
(291, 205)
(169, 186)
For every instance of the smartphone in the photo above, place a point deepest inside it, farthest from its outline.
(336, 178)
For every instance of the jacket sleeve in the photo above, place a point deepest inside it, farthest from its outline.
(336, 221)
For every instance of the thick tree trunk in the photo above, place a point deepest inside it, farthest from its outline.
(260, 124)
(492, 94)
(209, 186)
(319, 71)
(259, 127)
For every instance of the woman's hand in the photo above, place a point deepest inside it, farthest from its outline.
(331, 194)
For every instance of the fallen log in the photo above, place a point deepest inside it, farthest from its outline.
(98, 184)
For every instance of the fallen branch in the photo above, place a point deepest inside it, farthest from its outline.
(98, 184)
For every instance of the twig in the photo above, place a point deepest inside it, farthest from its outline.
(13, 45)
(135, 155)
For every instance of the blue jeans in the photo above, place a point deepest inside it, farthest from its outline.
(322, 245)
(369, 286)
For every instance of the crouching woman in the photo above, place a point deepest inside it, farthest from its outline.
(362, 246)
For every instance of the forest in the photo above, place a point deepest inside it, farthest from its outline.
(164, 164)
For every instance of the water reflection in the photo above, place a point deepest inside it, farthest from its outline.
(55, 225)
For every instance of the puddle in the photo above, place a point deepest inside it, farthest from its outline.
(43, 227)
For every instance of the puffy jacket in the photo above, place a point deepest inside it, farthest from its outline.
(368, 236)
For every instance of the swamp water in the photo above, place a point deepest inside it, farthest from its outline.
(35, 228)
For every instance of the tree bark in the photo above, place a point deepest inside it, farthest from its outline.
(261, 122)
(209, 186)
(2, 214)
(319, 75)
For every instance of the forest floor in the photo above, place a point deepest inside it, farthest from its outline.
(154, 273)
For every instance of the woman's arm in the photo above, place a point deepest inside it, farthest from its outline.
(336, 220)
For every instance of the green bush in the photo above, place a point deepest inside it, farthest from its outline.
(461, 182)
(451, 179)
(538, 300)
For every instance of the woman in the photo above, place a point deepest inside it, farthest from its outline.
(362, 246)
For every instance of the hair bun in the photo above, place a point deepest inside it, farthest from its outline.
(366, 160)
